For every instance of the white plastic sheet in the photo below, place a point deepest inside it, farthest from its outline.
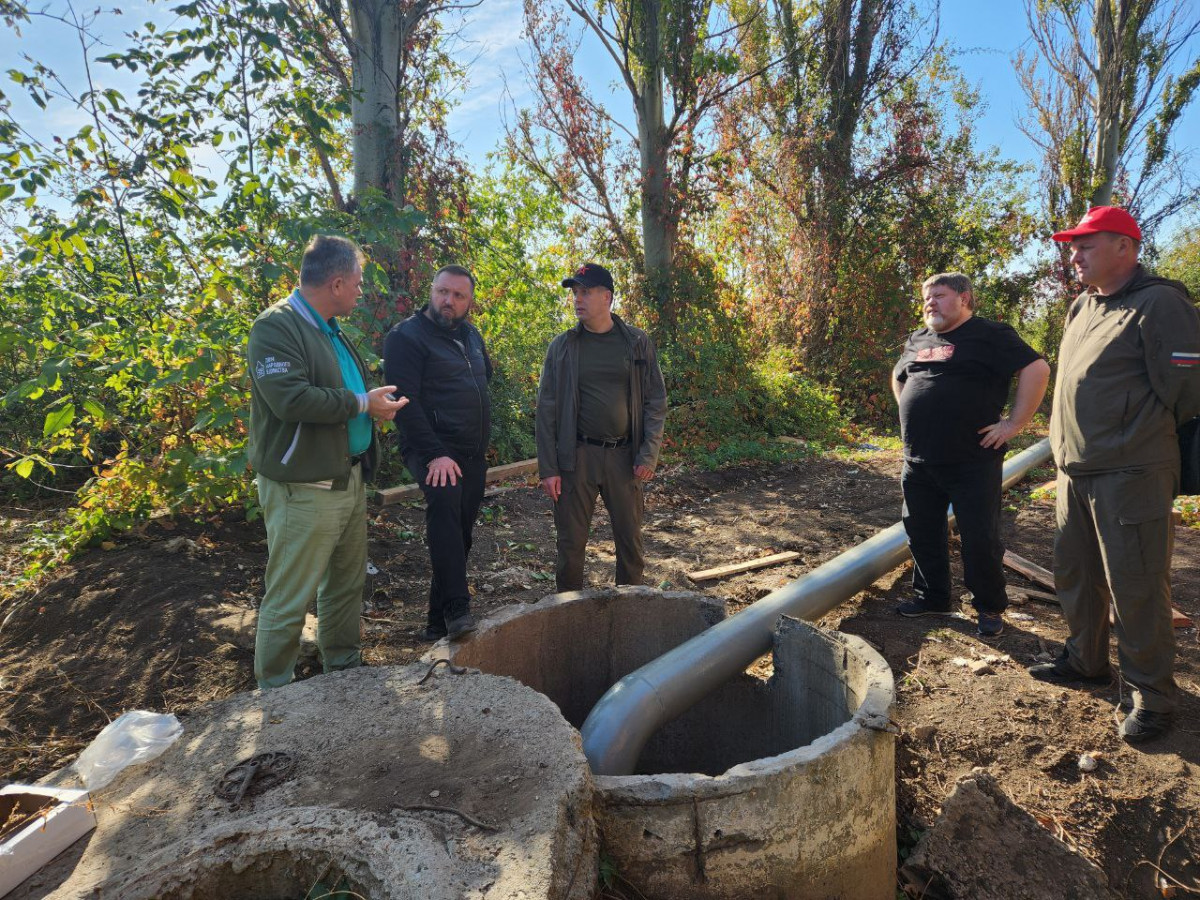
(132, 737)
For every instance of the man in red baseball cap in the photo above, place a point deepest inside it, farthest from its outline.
(1128, 376)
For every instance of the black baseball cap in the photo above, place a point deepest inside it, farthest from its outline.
(590, 275)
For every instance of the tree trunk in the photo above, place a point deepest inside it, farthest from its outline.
(658, 213)
(1110, 75)
(376, 26)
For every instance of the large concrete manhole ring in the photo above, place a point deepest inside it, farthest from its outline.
(396, 788)
(781, 788)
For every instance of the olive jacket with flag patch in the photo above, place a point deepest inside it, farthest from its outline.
(1128, 376)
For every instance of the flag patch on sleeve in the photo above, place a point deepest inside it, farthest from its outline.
(1185, 359)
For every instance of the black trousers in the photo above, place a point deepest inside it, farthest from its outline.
(450, 513)
(973, 489)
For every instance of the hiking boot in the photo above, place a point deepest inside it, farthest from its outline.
(1143, 725)
(1060, 671)
(990, 625)
(918, 607)
(456, 628)
(431, 633)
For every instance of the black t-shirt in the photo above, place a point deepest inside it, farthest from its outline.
(954, 384)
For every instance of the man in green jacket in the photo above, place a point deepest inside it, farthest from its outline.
(313, 444)
(1128, 376)
(601, 407)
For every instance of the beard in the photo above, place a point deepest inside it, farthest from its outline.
(450, 323)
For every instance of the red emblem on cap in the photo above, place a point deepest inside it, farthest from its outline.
(582, 270)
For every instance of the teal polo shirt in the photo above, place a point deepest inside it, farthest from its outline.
(359, 427)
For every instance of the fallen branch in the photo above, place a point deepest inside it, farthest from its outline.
(737, 568)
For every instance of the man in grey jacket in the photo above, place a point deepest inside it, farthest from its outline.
(311, 438)
(1128, 376)
(600, 412)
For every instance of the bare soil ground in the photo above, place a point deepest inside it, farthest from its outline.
(138, 626)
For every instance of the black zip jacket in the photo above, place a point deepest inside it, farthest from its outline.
(444, 374)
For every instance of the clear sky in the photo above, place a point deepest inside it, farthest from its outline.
(986, 35)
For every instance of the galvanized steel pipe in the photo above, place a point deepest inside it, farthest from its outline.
(639, 704)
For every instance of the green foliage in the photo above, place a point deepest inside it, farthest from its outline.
(127, 316)
(1181, 260)
(516, 232)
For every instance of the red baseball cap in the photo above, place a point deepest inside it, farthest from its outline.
(1103, 218)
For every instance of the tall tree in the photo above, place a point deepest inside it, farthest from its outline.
(675, 59)
(799, 133)
(1107, 84)
(397, 82)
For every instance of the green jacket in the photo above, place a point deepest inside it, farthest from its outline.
(1128, 376)
(298, 406)
(558, 401)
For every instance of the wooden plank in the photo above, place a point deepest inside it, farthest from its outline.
(388, 496)
(1041, 596)
(1178, 619)
(1032, 571)
(747, 566)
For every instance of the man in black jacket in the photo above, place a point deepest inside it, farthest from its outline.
(436, 358)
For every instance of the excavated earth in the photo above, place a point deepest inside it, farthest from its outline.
(162, 621)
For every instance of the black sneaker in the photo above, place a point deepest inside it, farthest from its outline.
(990, 625)
(456, 628)
(1060, 671)
(1143, 725)
(431, 633)
(914, 608)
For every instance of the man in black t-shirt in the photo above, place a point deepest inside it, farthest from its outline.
(952, 383)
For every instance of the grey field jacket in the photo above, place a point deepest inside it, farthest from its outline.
(1128, 375)
(558, 401)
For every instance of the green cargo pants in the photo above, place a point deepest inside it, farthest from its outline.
(607, 472)
(317, 549)
(1113, 540)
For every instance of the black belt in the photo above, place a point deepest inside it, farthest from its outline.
(611, 443)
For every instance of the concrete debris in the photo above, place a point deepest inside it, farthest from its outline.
(1088, 762)
(981, 667)
(985, 847)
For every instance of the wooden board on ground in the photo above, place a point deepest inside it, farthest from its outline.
(1041, 596)
(1178, 619)
(1036, 573)
(1032, 571)
(388, 496)
(747, 566)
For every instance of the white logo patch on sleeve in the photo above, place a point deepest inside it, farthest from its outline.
(271, 366)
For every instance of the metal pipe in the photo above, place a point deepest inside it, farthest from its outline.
(643, 701)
